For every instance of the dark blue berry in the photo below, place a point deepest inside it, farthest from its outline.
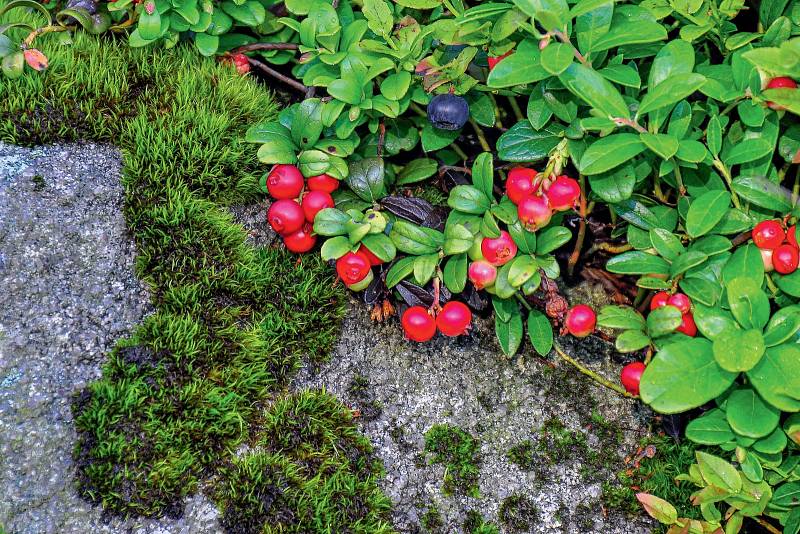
(448, 112)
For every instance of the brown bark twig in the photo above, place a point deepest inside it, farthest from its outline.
(277, 75)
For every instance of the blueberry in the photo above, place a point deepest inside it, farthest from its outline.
(448, 112)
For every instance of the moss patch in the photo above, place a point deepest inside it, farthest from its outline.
(458, 451)
(199, 378)
(518, 513)
(476, 524)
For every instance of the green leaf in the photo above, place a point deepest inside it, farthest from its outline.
(424, 267)
(620, 317)
(717, 472)
(639, 215)
(335, 247)
(749, 304)
(395, 86)
(206, 44)
(525, 240)
(631, 341)
(637, 262)
(149, 25)
(666, 243)
(711, 428)
(629, 33)
(659, 509)
(417, 170)
(366, 179)
(663, 320)
(675, 57)
(747, 150)
(435, 139)
(331, 222)
(706, 211)
(525, 144)
(672, 90)
(552, 238)
(615, 185)
(458, 239)
(522, 67)
(787, 495)
(711, 321)
(746, 262)
(540, 332)
(701, 290)
(483, 174)
(379, 16)
(468, 199)
(347, 90)
(783, 326)
(777, 377)
(250, 13)
(686, 261)
(380, 245)
(307, 123)
(762, 192)
(587, 84)
(609, 152)
(556, 57)
(412, 239)
(521, 270)
(510, 332)
(455, 273)
(738, 350)
(749, 415)
(664, 145)
(664, 385)
(772, 444)
(401, 269)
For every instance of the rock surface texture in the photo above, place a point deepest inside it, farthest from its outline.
(67, 293)
(403, 388)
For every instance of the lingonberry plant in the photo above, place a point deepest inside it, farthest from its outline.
(474, 153)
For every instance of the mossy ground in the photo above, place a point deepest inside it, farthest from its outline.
(459, 452)
(200, 377)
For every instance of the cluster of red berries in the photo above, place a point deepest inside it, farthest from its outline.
(778, 247)
(297, 204)
(537, 197)
(631, 374)
(419, 324)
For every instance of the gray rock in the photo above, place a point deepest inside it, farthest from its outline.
(67, 294)
(466, 382)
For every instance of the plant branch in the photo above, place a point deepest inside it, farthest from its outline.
(591, 374)
(726, 173)
(481, 138)
(277, 75)
(576, 252)
(512, 101)
(620, 121)
(41, 31)
(265, 46)
(564, 38)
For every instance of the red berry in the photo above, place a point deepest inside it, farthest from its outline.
(373, 259)
(563, 194)
(659, 300)
(454, 319)
(417, 324)
(284, 182)
(302, 240)
(687, 325)
(500, 250)
(285, 216)
(241, 63)
(581, 320)
(785, 258)
(680, 301)
(781, 82)
(520, 184)
(494, 60)
(534, 212)
(768, 234)
(323, 182)
(766, 258)
(630, 377)
(352, 268)
(791, 236)
(482, 273)
(314, 202)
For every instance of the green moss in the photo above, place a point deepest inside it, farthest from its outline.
(518, 513)
(522, 455)
(654, 475)
(476, 524)
(232, 323)
(431, 521)
(458, 451)
(311, 471)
